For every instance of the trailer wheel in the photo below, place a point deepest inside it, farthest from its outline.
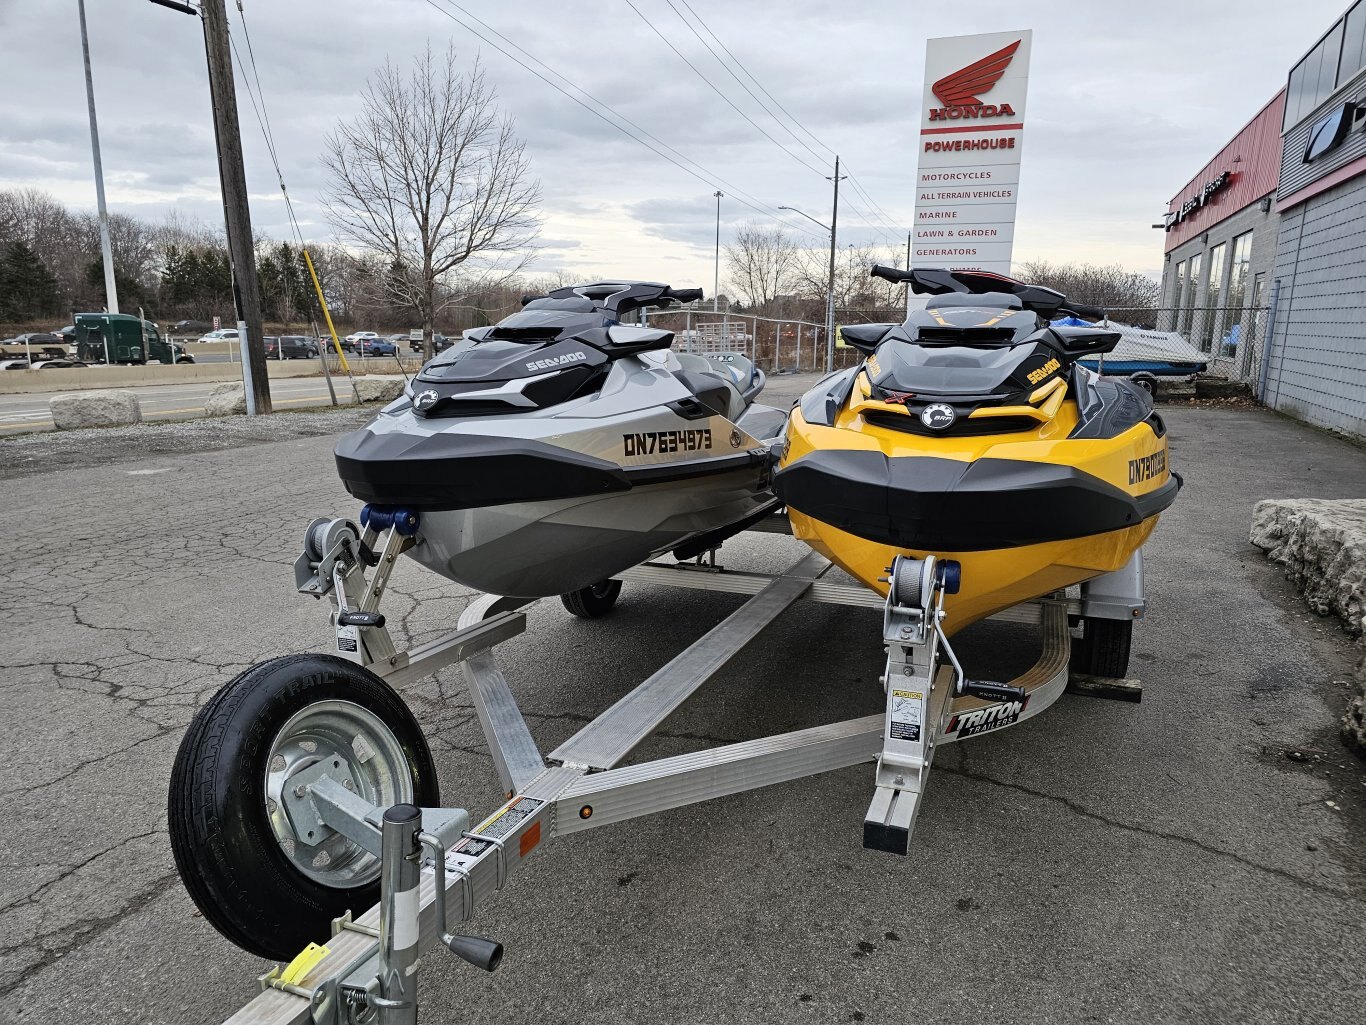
(1147, 382)
(252, 865)
(594, 601)
(1104, 647)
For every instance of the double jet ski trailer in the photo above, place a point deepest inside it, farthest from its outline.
(304, 791)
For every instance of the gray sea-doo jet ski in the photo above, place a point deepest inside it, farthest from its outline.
(559, 447)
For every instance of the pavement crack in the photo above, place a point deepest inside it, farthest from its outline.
(1087, 813)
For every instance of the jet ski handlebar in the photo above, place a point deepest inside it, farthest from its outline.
(941, 281)
(1084, 311)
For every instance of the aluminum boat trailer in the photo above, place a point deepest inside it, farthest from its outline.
(435, 867)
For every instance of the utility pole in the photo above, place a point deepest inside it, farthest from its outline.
(830, 295)
(236, 213)
(716, 280)
(908, 250)
(111, 292)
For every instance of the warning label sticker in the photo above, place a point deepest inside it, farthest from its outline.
(500, 824)
(906, 714)
(348, 638)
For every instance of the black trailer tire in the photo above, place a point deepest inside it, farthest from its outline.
(1104, 648)
(243, 878)
(594, 601)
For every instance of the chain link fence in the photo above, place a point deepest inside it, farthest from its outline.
(1231, 339)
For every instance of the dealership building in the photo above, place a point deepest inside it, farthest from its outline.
(1265, 265)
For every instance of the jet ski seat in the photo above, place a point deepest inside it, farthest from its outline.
(714, 387)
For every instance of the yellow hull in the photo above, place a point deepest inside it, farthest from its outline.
(992, 580)
(1128, 466)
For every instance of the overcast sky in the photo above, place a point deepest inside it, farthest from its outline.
(1126, 102)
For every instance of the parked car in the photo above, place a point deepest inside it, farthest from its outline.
(226, 334)
(190, 327)
(439, 342)
(290, 347)
(377, 347)
(351, 341)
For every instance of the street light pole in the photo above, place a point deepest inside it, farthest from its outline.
(111, 292)
(830, 314)
(830, 284)
(716, 280)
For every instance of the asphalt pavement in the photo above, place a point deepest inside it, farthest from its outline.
(1103, 862)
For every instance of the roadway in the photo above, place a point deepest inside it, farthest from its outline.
(1106, 862)
(24, 413)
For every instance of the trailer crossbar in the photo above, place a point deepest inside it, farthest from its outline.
(613, 735)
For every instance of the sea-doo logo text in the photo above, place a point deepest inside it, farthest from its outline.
(984, 720)
(1035, 376)
(938, 417)
(425, 400)
(958, 91)
(557, 361)
(652, 442)
(1147, 467)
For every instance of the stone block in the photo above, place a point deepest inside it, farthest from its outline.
(379, 387)
(100, 408)
(227, 400)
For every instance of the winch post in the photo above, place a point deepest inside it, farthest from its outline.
(398, 915)
(919, 696)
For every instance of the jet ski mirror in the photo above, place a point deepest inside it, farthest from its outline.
(1084, 340)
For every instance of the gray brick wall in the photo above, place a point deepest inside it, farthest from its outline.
(1316, 369)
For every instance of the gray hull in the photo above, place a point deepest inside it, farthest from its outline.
(536, 549)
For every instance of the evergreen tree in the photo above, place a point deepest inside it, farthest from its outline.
(28, 290)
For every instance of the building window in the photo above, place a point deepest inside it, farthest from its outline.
(1338, 56)
(1179, 285)
(1237, 271)
(1353, 43)
(1212, 313)
(1193, 284)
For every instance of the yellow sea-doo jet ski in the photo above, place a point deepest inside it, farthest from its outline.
(971, 433)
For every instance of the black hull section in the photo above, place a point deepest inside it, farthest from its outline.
(438, 472)
(948, 505)
(444, 472)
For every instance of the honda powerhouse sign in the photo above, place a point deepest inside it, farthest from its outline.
(971, 131)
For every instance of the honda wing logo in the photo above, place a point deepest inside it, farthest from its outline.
(959, 91)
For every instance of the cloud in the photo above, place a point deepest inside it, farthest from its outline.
(1123, 109)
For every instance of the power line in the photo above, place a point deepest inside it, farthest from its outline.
(751, 77)
(727, 68)
(759, 128)
(654, 145)
(881, 214)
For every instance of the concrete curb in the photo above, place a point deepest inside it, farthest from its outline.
(1322, 545)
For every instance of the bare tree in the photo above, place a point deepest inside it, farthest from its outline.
(760, 264)
(430, 176)
(1109, 287)
(858, 295)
